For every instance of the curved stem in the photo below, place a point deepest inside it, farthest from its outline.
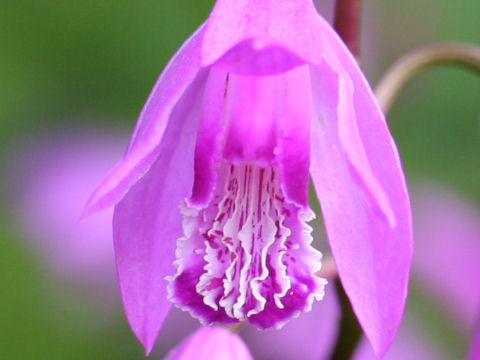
(347, 23)
(409, 65)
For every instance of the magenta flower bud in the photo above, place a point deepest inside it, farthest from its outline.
(212, 195)
(211, 343)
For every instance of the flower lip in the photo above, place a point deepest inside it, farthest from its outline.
(260, 56)
(247, 253)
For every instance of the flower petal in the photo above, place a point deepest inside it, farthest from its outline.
(263, 28)
(259, 57)
(274, 128)
(207, 150)
(475, 349)
(358, 178)
(211, 343)
(251, 110)
(147, 222)
(293, 149)
(144, 145)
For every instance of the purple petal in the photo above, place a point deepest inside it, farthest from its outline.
(261, 29)
(147, 221)
(144, 145)
(211, 343)
(207, 151)
(358, 178)
(276, 127)
(251, 116)
(475, 350)
(293, 149)
(259, 57)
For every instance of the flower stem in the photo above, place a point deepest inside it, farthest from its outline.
(349, 332)
(347, 23)
(235, 328)
(329, 269)
(413, 62)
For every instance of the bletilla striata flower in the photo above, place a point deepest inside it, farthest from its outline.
(261, 97)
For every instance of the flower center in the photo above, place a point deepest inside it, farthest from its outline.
(248, 235)
(247, 254)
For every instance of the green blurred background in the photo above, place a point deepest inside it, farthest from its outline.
(73, 65)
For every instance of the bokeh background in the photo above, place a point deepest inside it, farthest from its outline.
(73, 78)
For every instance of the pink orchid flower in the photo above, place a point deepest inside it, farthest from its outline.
(261, 97)
(211, 343)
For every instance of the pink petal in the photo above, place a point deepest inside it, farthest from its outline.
(259, 57)
(261, 31)
(147, 221)
(359, 181)
(293, 149)
(144, 146)
(475, 350)
(251, 112)
(207, 150)
(265, 118)
(211, 343)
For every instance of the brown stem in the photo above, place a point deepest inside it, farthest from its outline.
(412, 63)
(235, 328)
(347, 23)
(329, 269)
